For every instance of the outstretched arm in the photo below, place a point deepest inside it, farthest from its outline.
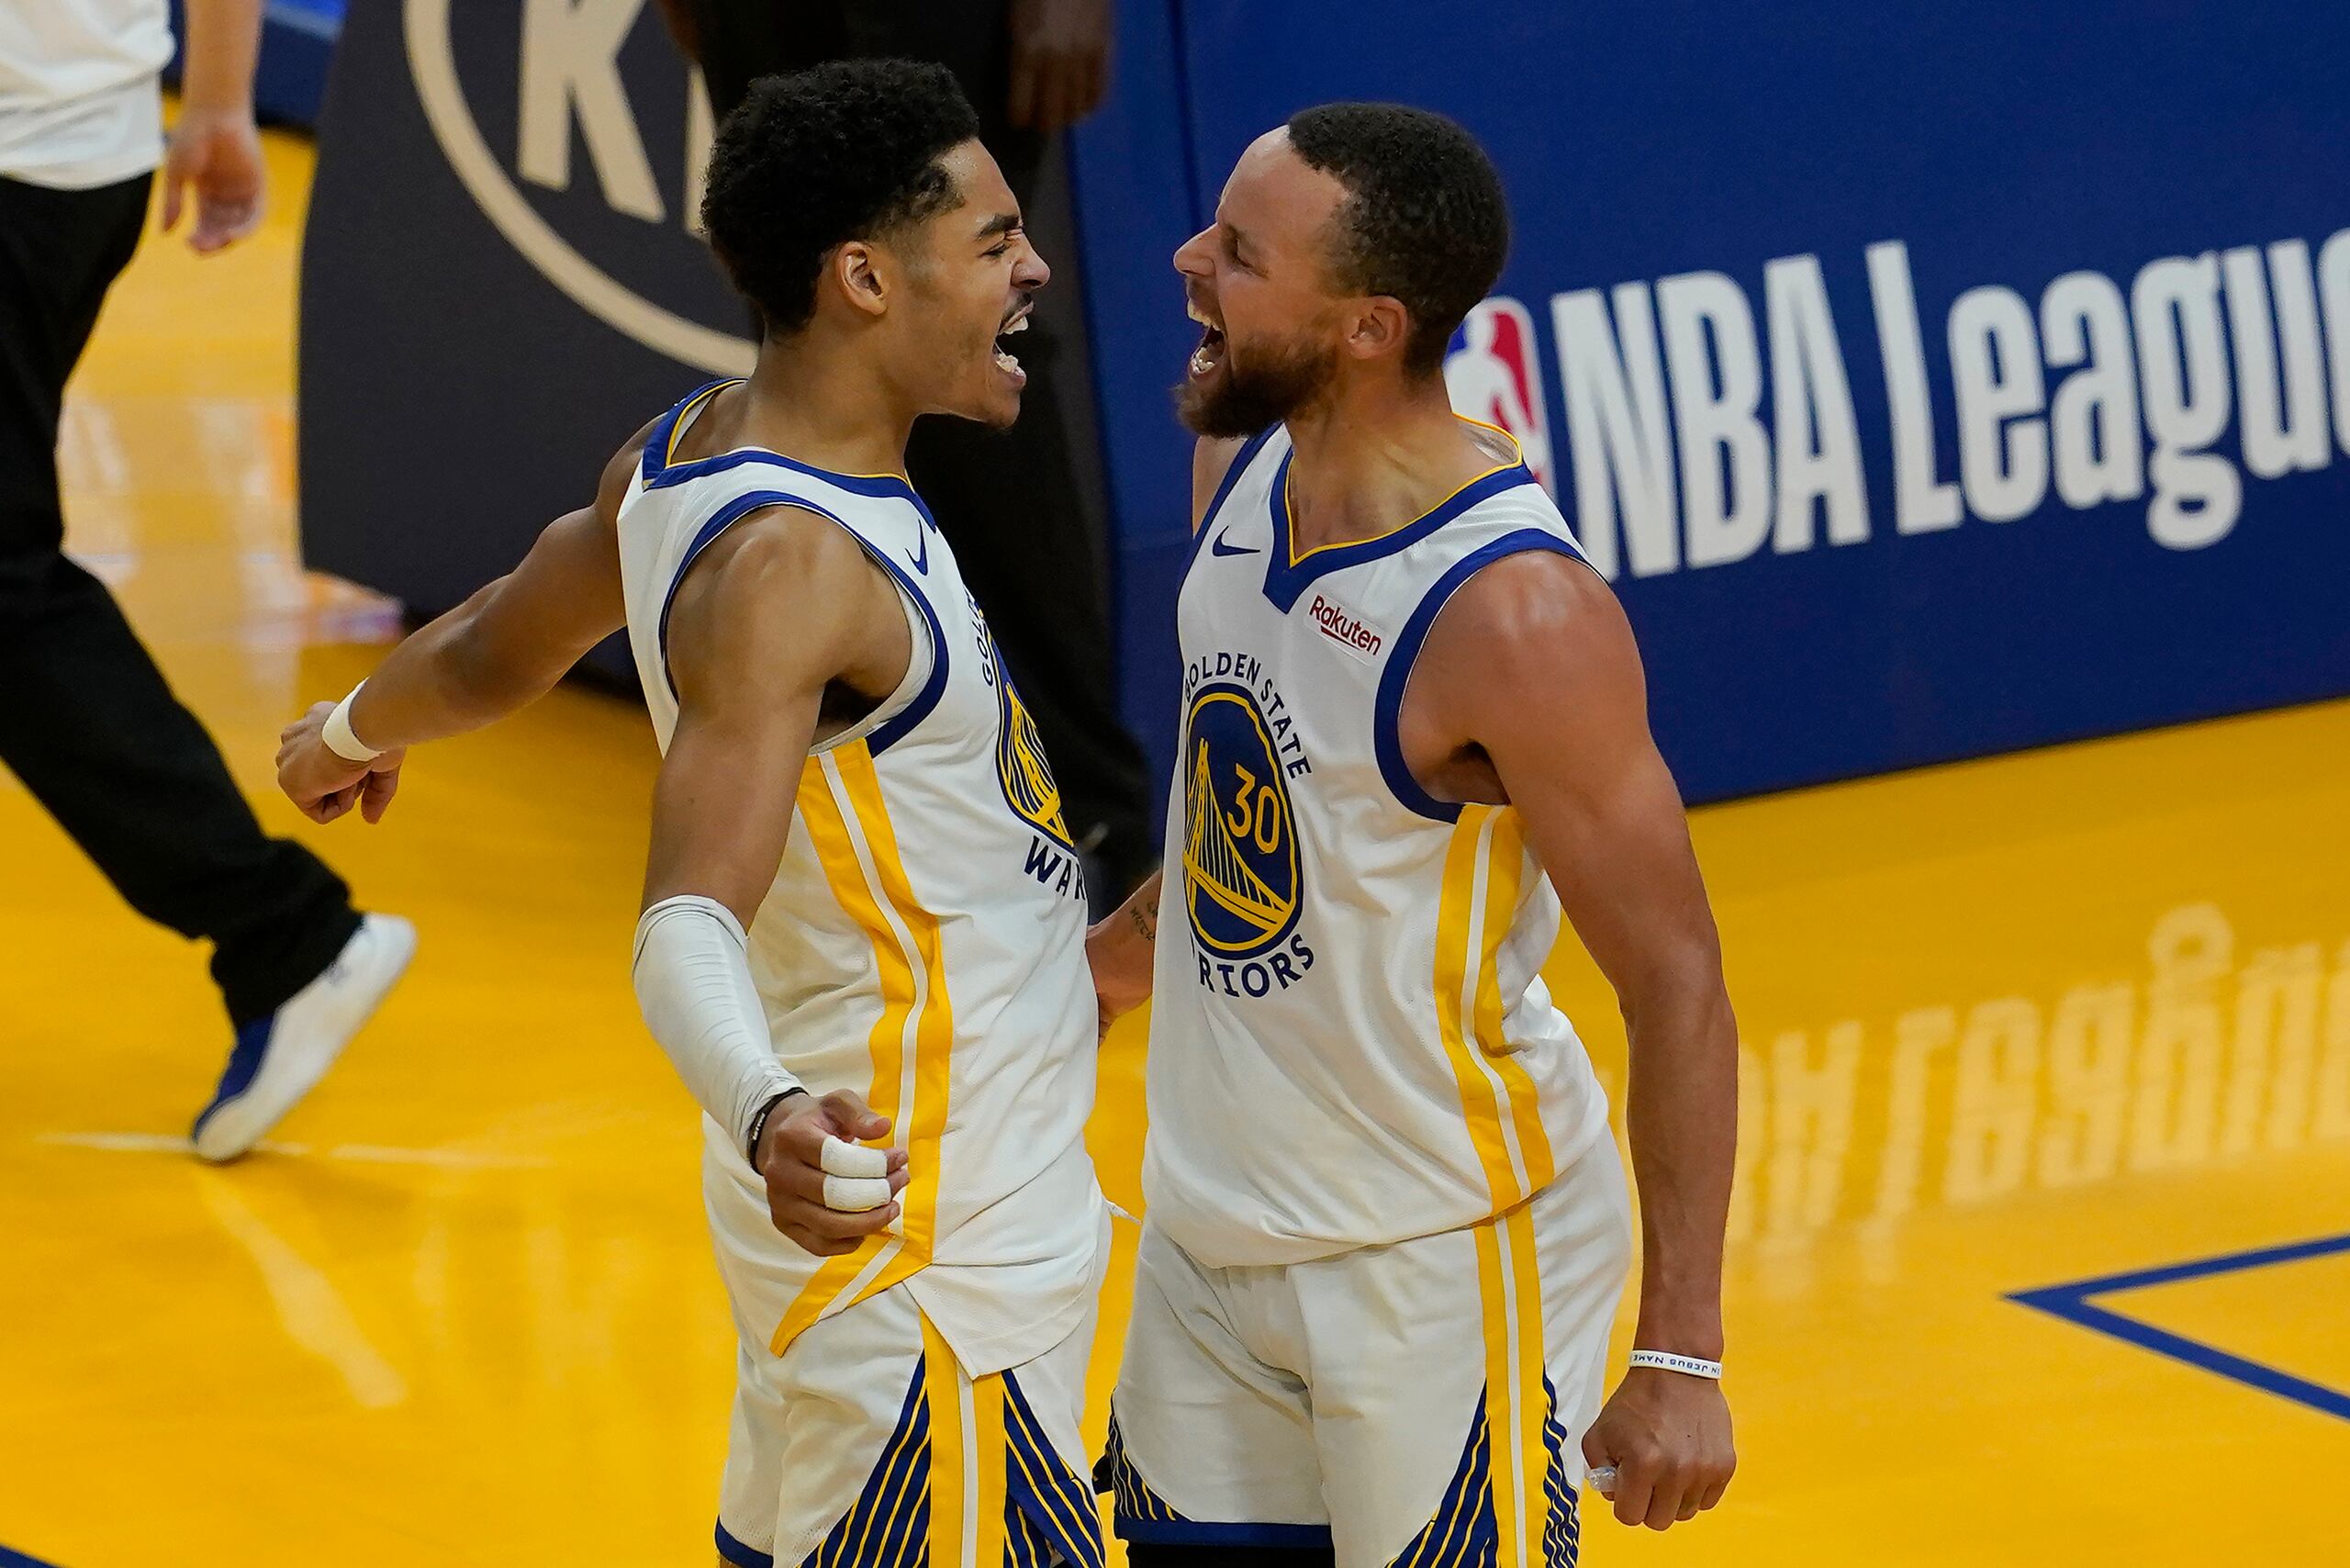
(500, 650)
(1604, 816)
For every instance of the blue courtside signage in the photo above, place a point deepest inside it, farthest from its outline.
(1928, 382)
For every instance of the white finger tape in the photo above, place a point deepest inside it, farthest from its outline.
(840, 1158)
(855, 1195)
(1603, 1479)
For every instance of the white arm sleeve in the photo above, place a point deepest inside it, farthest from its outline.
(693, 985)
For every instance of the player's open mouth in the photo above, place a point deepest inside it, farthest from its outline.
(1209, 353)
(1004, 357)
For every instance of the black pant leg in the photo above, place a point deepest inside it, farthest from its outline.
(86, 719)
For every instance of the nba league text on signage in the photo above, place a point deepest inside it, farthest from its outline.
(2101, 390)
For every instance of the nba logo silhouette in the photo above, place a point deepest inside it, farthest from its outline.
(1491, 372)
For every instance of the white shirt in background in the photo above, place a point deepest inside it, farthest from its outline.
(80, 103)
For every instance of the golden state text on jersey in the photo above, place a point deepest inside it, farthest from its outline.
(1244, 886)
(1362, 988)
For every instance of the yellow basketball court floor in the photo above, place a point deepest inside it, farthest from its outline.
(2072, 1027)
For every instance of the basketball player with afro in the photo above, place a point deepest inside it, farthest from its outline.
(845, 946)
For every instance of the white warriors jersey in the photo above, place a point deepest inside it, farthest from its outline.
(1351, 1044)
(924, 942)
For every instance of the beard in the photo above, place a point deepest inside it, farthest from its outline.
(1282, 379)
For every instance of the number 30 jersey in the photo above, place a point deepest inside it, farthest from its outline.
(1351, 1043)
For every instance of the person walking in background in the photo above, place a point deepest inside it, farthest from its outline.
(1020, 512)
(86, 719)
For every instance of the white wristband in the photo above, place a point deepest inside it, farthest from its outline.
(1665, 1361)
(336, 733)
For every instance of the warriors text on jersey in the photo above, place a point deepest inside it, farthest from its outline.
(1351, 1043)
(921, 945)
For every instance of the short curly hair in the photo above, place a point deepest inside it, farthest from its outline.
(846, 151)
(1424, 220)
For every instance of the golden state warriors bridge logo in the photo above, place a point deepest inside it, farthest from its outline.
(1241, 876)
(1020, 762)
(1020, 765)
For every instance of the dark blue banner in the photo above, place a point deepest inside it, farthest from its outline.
(1931, 381)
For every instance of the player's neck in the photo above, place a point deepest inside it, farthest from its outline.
(1373, 460)
(813, 401)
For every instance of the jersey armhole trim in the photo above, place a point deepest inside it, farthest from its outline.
(898, 714)
(664, 436)
(1395, 679)
(1241, 459)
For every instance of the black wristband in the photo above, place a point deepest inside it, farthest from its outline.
(760, 1125)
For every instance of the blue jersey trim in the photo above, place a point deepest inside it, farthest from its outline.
(658, 471)
(742, 1556)
(1385, 743)
(1232, 476)
(1286, 579)
(889, 731)
(899, 726)
(1193, 1533)
(665, 429)
(875, 486)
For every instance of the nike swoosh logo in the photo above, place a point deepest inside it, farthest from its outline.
(922, 561)
(1217, 546)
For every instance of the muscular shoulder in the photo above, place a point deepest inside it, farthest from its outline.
(784, 591)
(783, 557)
(1525, 634)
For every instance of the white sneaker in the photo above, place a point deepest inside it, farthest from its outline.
(279, 1059)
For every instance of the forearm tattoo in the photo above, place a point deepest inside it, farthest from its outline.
(1145, 915)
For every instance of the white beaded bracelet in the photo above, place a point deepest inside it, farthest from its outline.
(335, 733)
(1665, 1361)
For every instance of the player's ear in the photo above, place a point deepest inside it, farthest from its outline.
(855, 272)
(1380, 325)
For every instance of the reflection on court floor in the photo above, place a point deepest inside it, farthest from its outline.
(2206, 1053)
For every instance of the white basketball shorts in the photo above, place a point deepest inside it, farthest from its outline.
(1418, 1404)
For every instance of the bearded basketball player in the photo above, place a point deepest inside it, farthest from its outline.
(1387, 1230)
(862, 916)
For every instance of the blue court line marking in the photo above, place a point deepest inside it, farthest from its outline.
(2072, 1303)
(18, 1560)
